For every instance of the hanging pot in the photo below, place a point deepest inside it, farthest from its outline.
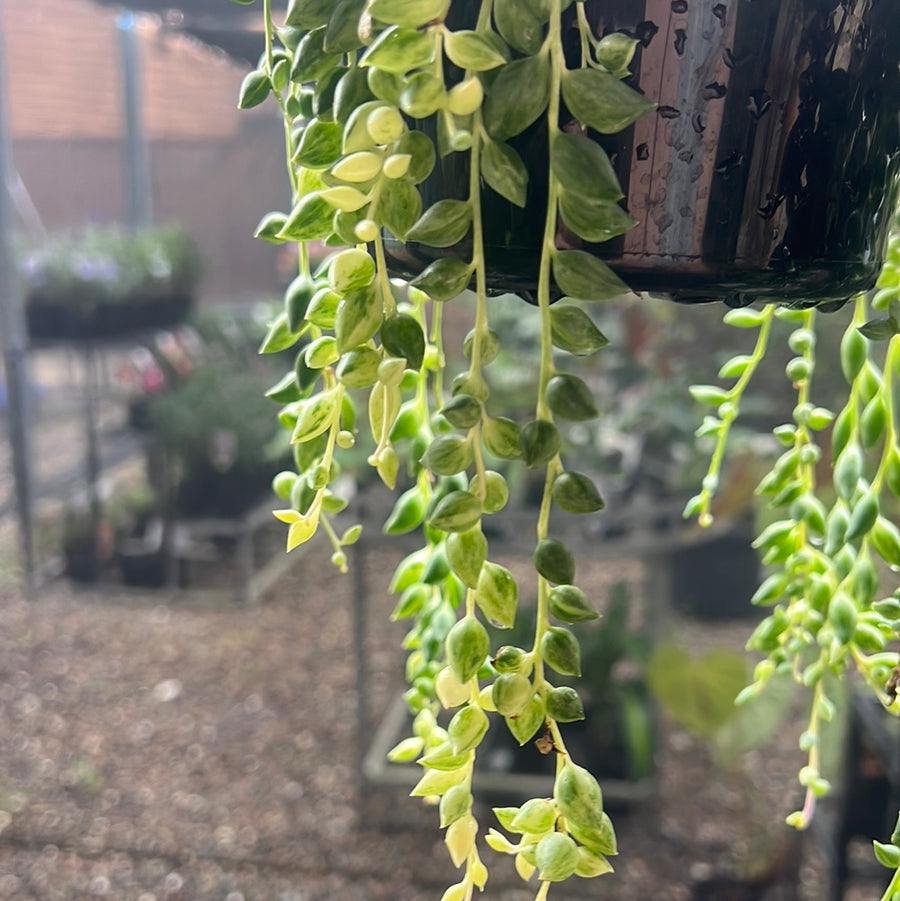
(769, 169)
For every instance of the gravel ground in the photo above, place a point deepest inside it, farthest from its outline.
(154, 751)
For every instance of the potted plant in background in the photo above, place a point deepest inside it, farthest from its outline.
(103, 282)
(522, 144)
(216, 444)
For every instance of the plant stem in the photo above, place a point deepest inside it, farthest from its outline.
(705, 517)
(553, 45)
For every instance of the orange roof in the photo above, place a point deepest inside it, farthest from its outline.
(64, 76)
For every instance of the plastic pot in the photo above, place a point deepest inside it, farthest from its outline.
(769, 169)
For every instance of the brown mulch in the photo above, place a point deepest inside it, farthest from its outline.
(154, 751)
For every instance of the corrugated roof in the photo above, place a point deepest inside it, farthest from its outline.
(64, 75)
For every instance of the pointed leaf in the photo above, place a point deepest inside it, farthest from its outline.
(582, 167)
(504, 171)
(471, 50)
(601, 101)
(594, 220)
(585, 277)
(443, 224)
(517, 97)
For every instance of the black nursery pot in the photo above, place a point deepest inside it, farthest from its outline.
(769, 169)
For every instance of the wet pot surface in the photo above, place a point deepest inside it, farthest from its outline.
(767, 170)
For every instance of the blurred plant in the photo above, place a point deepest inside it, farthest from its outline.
(888, 855)
(833, 539)
(220, 443)
(100, 266)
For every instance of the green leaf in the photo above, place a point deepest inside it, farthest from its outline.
(467, 646)
(880, 329)
(560, 650)
(466, 553)
(422, 155)
(279, 336)
(711, 395)
(744, 318)
(504, 171)
(615, 52)
(316, 416)
(444, 279)
(443, 224)
(582, 167)
(570, 604)
(400, 50)
(497, 595)
(320, 145)
(501, 437)
(594, 220)
(254, 89)
(402, 336)
(351, 91)
(600, 100)
(308, 14)
(310, 220)
(519, 94)
(358, 318)
(399, 207)
(342, 31)
(570, 398)
(518, 26)
(270, 227)
(471, 50)
(585, 277)
(411, 13)
(575, 492)
(285, 390)
(564, 705)
(887, 855)
(457, 511)
(554, 561)
(854, 353)
(311, 61)
(423, 95)
(527, 722)
(572, 330)
(556, 857)
(540, 442)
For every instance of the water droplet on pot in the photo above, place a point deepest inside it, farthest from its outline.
(668, 112)
(720, 12)
(698, 123)
(770, 207)
(680, 41)
(759, 103)
(642, 152)
(728, 57)
(715, 90)
(645, 32)
(726, 166)
(679, 6)
(686, 156)
(664, 221)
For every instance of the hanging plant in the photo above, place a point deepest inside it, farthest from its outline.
(375, 94)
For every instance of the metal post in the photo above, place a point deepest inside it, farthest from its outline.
(14, 346)
(137, 169)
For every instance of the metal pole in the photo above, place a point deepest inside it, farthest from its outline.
(14, 346)
(137, 169)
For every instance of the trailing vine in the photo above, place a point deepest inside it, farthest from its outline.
(832, 543)
(353, 80)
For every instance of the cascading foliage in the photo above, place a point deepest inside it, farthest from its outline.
(354, 79)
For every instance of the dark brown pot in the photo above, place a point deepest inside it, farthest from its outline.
(769, 169)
